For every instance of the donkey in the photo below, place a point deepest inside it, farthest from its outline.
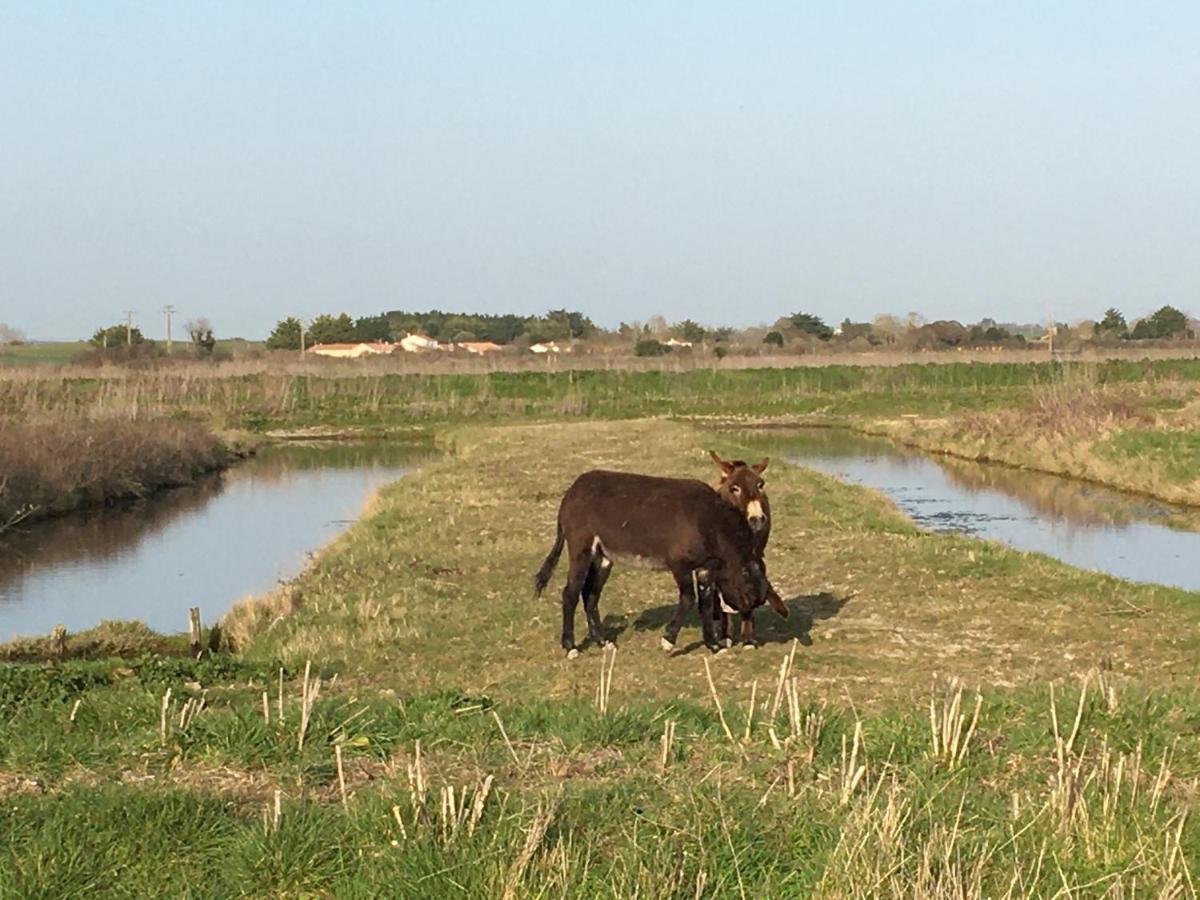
(747, 494)
(678, 524)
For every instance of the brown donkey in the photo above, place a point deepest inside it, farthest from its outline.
(677, 524)
(740, 484)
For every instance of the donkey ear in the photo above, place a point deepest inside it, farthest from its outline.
(725, 467)
(761, 467)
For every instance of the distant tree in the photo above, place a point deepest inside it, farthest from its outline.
(887, 328)
(462, 336)
(722, 335)
(201, 333)
(10, 335)
(650, 347)
(116, 336)
(811, 324)
(720, 351)
(1167, 322)
(372, 328)
(1112, 325)
(853, 330)
(331, 330)
(286, 335)
(690, 331)
(774, 339)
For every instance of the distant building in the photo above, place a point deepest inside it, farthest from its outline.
(548, 347)
(478, 347)
(352, 351)
(415, 343)
(676, 342)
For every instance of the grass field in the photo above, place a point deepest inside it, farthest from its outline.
(56, 353)
(451, 750)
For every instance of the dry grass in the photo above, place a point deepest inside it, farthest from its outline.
(50, 469)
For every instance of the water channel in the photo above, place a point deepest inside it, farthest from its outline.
(231, 535)
(1085, 525)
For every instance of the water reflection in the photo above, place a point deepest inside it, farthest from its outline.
(1086, 525)
(208, 544)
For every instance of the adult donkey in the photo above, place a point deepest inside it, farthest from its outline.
(677, 524)
(741, 485)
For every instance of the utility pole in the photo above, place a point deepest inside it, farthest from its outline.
(167, 311)
(301, 338)
(129, 327)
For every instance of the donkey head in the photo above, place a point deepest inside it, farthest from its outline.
(742, 486)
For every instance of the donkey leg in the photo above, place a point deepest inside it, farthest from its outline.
(721, 621)
(748, 640)
(597, 576)
(581, 563)
(687, 598)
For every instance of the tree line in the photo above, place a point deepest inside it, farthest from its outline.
(555, 325)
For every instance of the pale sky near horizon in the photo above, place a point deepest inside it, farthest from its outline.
(730, 163)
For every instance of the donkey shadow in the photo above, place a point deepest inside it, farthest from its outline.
(804, 611)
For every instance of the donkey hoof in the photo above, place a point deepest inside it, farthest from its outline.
(666, 645)
(607, 645)
(749, 645)
(727, 643)
(572, 653)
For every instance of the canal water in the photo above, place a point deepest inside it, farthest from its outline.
(1085, 525)
(234, 534)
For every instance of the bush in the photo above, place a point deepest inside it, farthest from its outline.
(774, 339)
(650, 347)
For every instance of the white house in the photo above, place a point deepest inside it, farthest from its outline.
(352, 351)
(548, 347)
(479, 348)
(415, 343)
(676, 342)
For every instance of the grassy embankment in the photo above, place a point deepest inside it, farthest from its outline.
(476, 761)
(49, 469)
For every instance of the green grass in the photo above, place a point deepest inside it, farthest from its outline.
(439, 672)
(1175, 453)
(49, 353)
(264, 400)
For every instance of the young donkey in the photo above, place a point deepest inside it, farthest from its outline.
(678, 524)
(748, 495)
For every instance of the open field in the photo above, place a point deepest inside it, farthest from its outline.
(475, 760)
(56, 353)
(1127, 423)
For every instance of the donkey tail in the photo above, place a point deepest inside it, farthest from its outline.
(543, 576)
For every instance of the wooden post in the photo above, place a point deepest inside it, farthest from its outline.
(194, 630)
(58, 640)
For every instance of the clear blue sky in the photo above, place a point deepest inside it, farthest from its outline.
(725, 162)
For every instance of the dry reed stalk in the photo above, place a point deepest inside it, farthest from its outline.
(337, 754)
(717, 700)
(665, 742)
(950, 741)
(162, 718)
(503, 734)
(750, 712)
(785, 668)
(607, 661)
(266, 709)
(310, 690)
(533, 839)
(74, 710)
(852, 770)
